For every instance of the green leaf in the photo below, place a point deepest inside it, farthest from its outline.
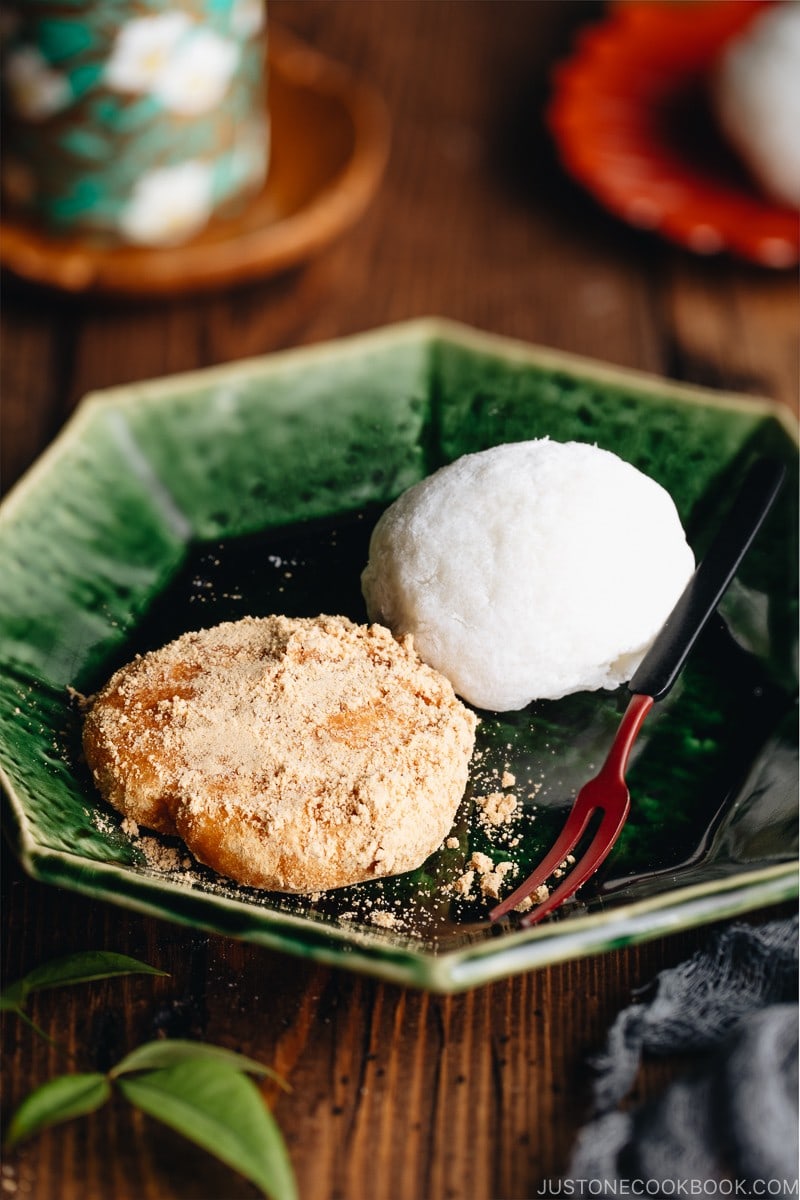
(23, 1016)
(12, 997)
(170, 1052)
(57, 1100)
(220, 1109)
(79, 968)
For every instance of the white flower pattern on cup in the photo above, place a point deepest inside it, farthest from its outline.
(35, 89)
(168, 205)
(142, 51)
(198, 73)
(185, 67)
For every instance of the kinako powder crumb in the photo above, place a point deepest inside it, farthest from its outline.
(498, 808)
(293, 754)
(490, 876)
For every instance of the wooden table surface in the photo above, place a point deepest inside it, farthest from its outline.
(396, 1095)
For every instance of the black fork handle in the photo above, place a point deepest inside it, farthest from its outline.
(664, 660)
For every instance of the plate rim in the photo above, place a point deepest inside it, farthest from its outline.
(431, 328)
(445, 972)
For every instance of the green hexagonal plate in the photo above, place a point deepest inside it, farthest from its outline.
(252, 488)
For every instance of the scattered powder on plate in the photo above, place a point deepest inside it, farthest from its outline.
(562, 867)
(161, 857)
(463, 885)
(537, 897)
(386, 920)
(481, 863)
(490, 876)
(492, 881)
(497, 808)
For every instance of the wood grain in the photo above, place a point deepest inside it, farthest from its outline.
(395, 1095)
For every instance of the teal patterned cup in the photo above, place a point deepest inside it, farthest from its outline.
(133, 121)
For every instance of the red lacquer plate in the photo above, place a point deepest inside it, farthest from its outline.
(631, 118)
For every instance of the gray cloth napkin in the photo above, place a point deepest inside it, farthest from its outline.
(730, 1125)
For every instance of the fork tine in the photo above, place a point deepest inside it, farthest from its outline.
(574, 828)
(598, 850)
(607, 792)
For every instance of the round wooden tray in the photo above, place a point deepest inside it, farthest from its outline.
(330, 142)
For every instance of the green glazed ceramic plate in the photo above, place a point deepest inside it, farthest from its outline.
(253, 488)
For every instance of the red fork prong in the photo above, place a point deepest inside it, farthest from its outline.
(595, 855)
(607, 792)
(571, 834)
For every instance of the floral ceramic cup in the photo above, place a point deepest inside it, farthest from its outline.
(133, 120)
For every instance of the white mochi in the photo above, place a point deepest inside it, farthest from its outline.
(756, 92)
(529, 571)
